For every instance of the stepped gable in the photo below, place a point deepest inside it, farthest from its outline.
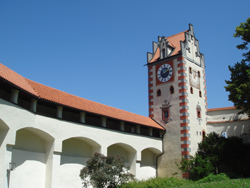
(174, 41)
(66, 99)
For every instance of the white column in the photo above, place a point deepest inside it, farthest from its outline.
(82, 117)
(14, 96)
(104, 121)
(59, 111)
(150, 131)
(33, 105)
(122, 125)
(138, 130)
(55, 172)
(49, 163)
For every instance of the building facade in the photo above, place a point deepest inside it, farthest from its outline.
(177, 96)
(46, 135)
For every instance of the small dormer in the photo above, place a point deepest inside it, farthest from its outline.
(165, 48)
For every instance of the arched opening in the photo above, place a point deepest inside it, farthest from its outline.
(33, 154)
(148, 163)
(128, 152)
(203, 135)
(76, 152)
(200, 94)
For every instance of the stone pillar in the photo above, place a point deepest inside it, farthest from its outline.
(122, 123)
(59, 111)
(150, 131)
(138, 130)
(82, 117)
(14, 96)
(104, 120)
(33, 105)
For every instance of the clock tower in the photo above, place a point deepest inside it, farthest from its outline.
(177, 97)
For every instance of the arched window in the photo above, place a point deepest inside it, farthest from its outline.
(191, 90)
(203, 134)
(171, 89)
(163, 53)
(158, 92)
(200, 94)
(199, 75)
(198, 113)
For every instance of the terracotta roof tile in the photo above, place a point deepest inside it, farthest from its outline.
(66, 99)
(174, 41)
(15, 79)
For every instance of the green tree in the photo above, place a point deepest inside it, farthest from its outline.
(211, 148)
(102, 171)
(243, 31)
(208, 157)
(239, 84)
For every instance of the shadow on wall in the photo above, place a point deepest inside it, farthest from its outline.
(4, 128)
(78, 150)
(31, 145)
(236, 128)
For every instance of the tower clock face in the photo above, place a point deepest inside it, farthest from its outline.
(164, 72)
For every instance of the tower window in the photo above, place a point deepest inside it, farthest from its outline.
(199, 74)
(171, 89)
(191, 90)
(198, 113)
(165, 113)
(190, 70)
(158, 92)
(200, 93)
(203, 135)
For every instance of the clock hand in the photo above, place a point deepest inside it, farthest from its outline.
(166, 71)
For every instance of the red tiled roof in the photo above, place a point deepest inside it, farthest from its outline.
(174, 41)
(224, 108)
(66, 99)
(15, 79)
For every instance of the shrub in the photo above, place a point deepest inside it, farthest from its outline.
(212, 178)
(102, 171)
(156, 183)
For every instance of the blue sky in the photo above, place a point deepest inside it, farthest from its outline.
(97, 49)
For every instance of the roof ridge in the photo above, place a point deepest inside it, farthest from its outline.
(177, 34)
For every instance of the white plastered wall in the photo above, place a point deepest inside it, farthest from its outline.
(54, 132)
(228, 121)
(197, 125)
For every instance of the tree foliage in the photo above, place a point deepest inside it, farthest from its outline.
(239, 84)
(102, 171)
(243, 31)
(217, 154)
